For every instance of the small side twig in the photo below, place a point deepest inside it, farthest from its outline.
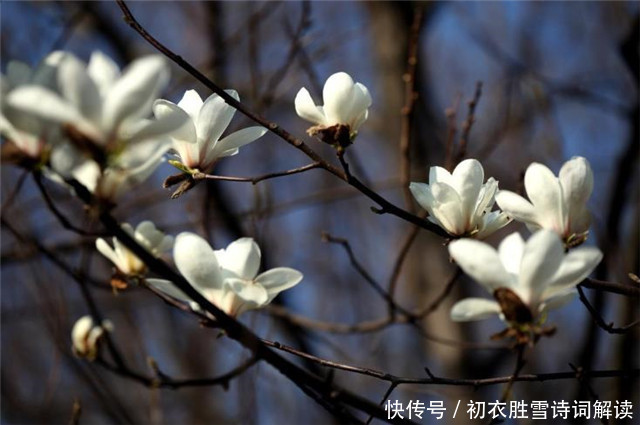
(326, 237)
(255, 180)
(597, 318)
(64, 221)
(616, 288)
(468, 123)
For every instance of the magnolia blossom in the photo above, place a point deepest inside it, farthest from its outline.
(228, 277)
(25, 131)
(556, 203)
(198, 142)
(345, 106)
(102, 113)
(99, 103)
(85, 337)
(126, 261)
(459, 202)
(526, 279)
(111, 182)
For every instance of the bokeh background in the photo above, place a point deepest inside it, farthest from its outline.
(559, 79)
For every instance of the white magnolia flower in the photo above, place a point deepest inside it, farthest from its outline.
(85, 336)
(126, 261)
(459, 202)
(345, 104)
(198, 142)
(29, 134)
(109, 183)
(556, 203)
(228, 277)
(526, 279)
(100, 103)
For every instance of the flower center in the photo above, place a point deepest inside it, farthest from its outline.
(513, 308)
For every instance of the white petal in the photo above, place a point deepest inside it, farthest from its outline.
(48, 105)
(516, 207)
(80, 331)
(149, 236)
(191, 103)
(545, 192)
(196, 261)
(474, 309)
(88, 174)
(491, 222)
(558, 300)
(576, 179)
(172, 122)
(235, 140)
(18, 73)
(467, 181)
(105, 249)
(104, 72)
(278, 279)
(142, 153)
(575, 266)
(480, 261)
(486, 197)
(187, 132)
(242, 258)
(361, 101)
(132, 95)
(510, 251)
(357, 122)
(541, 258)
(422, 193)
(440, 175)
(447, 208)
(248, 291)
(307, 109)
(168, 288)
(78, 88)
(214, 117)
(338, 98)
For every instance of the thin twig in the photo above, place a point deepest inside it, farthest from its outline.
(433, 380)
(452, 128)
(386, 395)
(14, 193)
(617, 288)
(387, 207)
(254, 180)
(64, 221)
(402, 255)
(364, 273)
(468, 123)
(599, 320)
(164, 381)
(445, 292)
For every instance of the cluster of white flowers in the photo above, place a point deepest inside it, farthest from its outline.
(91, 122)
(529, 279)
(227, 277)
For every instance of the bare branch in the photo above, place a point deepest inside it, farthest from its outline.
(254, 180)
